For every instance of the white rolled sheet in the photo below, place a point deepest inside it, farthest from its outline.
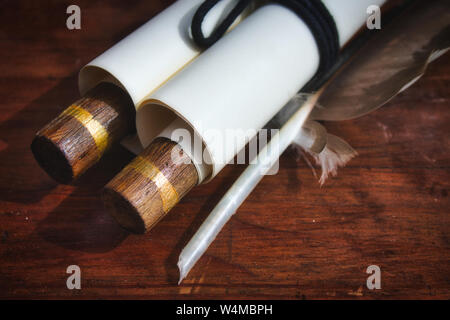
(242, 81)
(153, 53)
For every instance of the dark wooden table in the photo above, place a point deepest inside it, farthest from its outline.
(291, 239)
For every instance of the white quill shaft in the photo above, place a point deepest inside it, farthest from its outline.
(243, 186)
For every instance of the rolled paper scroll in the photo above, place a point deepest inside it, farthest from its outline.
(238, 84)
(137, 66)
(244, 79)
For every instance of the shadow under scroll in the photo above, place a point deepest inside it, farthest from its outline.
(81, 222)
(23, 181)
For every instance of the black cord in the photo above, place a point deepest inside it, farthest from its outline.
(313, 12)
(197, 21)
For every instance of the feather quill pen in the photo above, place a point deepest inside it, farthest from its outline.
(387, 65)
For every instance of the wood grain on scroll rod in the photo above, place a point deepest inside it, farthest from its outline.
(150, 186)
(75, 140)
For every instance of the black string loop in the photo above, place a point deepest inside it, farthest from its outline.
(197, 21)
(313, 12)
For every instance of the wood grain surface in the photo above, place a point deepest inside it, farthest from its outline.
(75, 140)
(151, 185)
(291, 239)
